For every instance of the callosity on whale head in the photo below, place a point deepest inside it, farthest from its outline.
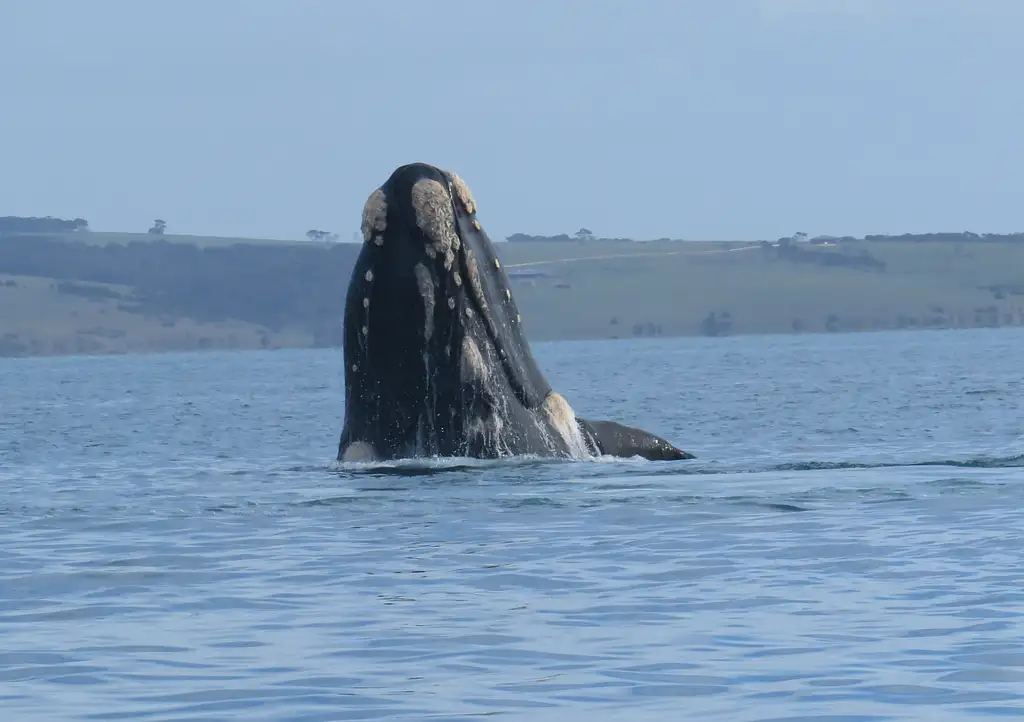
(436, 359)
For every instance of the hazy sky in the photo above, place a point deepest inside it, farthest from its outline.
(703, 119)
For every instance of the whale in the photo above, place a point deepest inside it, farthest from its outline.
(437, 362)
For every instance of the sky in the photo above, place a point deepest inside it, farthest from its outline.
(723, 119)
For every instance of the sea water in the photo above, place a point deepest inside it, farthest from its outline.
(176, 543)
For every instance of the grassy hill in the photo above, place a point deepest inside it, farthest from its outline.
(89, 292)
(760, 290)
(104, 238)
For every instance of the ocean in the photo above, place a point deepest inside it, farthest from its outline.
(177, 543)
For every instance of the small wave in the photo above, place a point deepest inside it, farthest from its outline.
(984, 392)
(981, 462)
(608, 465)
(985, 462)
(825, 466)
(337, 500)
(431, 466)
(763, 504)
(959, 484)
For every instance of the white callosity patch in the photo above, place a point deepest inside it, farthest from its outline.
(359, 451)
(426, 287)
(375, 216)
(462, 193)
(366, 306)
(486, 423)
(434, 214)
(365, 330)
(563, 420)
(472, 362)
(475, 282)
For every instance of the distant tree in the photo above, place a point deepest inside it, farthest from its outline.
(523, 237)
(81, 224)
(709, 326)
(986, 316)
(159, 226)
(715, 325)
(318, 235)
(48, 224)
(584, 234)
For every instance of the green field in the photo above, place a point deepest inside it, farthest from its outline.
(120, 292)
(923, 285)
(103, 238)
(37, 320)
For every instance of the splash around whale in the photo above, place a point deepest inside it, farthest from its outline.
(436, 358)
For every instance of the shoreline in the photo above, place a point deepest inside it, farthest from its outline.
(533, 342)
(68, 297)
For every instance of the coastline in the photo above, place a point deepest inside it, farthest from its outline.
(71, 294)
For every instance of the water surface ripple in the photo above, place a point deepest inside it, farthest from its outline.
(175, 543)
